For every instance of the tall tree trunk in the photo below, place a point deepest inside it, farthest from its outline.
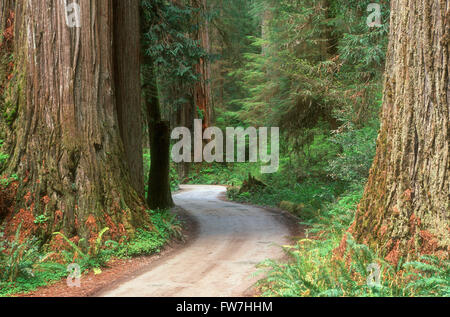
(184, 117)
(127, 52)
(202, 89)
(405, 208)
(159, 195)
(67, 149)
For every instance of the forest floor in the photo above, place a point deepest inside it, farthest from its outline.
(224, 243)
(232, 239)
(120, 270)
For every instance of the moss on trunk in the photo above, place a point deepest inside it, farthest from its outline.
(405, 210)
(65, 143)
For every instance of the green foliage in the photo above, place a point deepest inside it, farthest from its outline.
(352, 165)
(315, 269)
(282, 186)
(6, 181)
(312, 196)
(24, 266)
(41, 219)
(311, 61)
(146, 242)
(316, 72)
(151, 240)
(221, 174)
(96, 256)
(430, 277)
(3, 156)
(166, 38)
(73, 245)
(234, 24)
(44, 274)
(17, 258)
(317, 151)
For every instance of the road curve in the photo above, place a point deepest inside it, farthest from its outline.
(232, 239)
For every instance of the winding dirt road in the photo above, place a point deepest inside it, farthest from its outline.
(232, 239)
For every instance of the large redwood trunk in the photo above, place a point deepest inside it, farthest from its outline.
(406, 206)
(66, 146)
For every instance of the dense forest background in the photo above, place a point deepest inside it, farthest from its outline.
(314, 68)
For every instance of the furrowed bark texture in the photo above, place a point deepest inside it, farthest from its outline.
(127, 48)
(7, 112)
(67, 148)
(7, 106)
(405, 208)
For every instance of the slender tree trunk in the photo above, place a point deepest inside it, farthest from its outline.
(159, 195)
(202, 89)
(200, 103)
(184, 117)
(405, 210)
(67, 149)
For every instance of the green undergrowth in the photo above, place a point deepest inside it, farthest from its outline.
(316, 269)
(281, 187)
(230, 174)
(326, 202)
(309, 196)
(25, 266)
(147, 241)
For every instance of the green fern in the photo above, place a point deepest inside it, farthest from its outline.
(73, 245)
(17, 258)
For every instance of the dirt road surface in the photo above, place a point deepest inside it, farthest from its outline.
(220, 262)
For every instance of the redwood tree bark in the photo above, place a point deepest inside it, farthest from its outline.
(405, 208)
(202, 89)
(127, 49)
(66, 146)
(7, 35)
